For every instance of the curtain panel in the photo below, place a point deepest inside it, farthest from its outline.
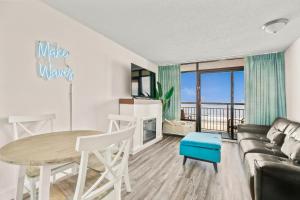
(265, 88)
(169, 76)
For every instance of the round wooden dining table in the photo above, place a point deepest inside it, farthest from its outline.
(44, 150)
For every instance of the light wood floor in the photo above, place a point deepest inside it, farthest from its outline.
(158, 173)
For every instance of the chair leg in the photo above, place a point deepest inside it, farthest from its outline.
(127, 180)
(81, 176)
(216, 167)
(117, 189)
(20, 184)
(32, 189)
(54, 178)
(44, 183)
(184, 160)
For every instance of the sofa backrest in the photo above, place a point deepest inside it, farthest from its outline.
(292, 130)
(291, 144)
(280, 124)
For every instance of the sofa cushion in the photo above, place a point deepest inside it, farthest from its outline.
(251, 136)
(255, 146)
(178, 127)
(276, 132)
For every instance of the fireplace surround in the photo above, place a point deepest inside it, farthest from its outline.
(149, 121)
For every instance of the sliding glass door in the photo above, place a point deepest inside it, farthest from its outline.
(214, 99)
(222, 101)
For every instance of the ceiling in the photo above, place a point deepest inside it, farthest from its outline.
(178, 31)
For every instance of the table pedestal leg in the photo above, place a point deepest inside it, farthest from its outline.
(44, 189)
(20, 184)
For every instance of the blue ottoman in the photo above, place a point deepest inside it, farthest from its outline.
(201, 146)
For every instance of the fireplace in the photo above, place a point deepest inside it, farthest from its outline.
(149, 130)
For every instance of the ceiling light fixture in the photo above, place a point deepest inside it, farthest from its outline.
(275, 25)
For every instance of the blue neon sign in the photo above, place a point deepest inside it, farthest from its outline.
(51, 61)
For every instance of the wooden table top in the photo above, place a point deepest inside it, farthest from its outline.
(44, 149)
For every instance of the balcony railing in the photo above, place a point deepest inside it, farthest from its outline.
(214, 116)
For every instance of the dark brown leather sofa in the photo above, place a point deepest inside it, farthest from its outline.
(271, 159)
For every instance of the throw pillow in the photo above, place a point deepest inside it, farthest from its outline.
(291, 148)
(276, 133)
(278, 138)
(275, 136)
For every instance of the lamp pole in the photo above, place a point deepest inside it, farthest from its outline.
(71, 105)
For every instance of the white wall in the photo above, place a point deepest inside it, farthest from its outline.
(102, 72)
(292, 63)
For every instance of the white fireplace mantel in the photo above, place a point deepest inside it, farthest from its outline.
(142, 109)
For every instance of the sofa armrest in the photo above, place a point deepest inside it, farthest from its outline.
(252, 128)
(276, 181)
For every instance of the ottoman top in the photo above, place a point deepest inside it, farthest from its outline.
(200, 139)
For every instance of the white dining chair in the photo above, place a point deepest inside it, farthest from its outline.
(24, 126)
(108, 185)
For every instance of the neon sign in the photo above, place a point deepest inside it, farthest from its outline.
(51, 61)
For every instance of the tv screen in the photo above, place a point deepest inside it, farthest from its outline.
(142, 82)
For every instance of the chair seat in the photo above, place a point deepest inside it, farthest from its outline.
(34, 171)
(93, 163)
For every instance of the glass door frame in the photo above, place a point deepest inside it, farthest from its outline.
(198, 94)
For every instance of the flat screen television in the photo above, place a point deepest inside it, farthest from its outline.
(142, 82)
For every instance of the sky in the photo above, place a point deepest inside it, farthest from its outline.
(215, 87)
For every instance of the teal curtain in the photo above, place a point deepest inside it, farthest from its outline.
(265, 88)
(169, 76)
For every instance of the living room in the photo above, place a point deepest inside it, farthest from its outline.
(208, 91)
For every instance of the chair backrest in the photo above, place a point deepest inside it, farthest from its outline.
(22, 121)
(120, 121)
(99, 145)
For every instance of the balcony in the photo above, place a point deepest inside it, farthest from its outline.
(215, 117)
